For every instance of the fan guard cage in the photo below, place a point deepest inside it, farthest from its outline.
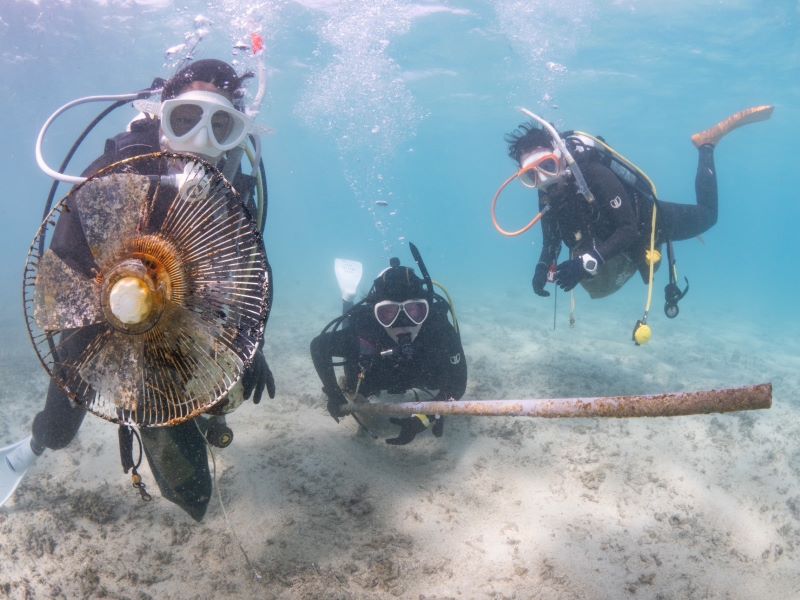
(185, 232)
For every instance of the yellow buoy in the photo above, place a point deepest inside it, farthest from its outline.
(642, 334)
(652, 256)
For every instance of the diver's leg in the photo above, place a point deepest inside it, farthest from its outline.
(685, 221)
(58, 423)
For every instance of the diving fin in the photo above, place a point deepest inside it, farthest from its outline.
(179, 463)
(348, 275)
(15, 460)
(713, 135)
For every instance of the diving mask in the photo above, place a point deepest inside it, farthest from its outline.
(388, 311)
(402, 331)
(203, 122)
(541, 169)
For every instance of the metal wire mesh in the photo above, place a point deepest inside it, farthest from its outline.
(183, 226)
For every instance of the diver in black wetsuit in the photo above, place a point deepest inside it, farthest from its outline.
(609, 236)
(177, 454)
(397, 339)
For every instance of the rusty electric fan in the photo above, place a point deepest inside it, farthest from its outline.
(146, 295)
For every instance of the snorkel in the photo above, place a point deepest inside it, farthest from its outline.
(426, 277)
(257, 45)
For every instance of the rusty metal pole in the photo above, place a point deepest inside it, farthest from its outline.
(657, 405)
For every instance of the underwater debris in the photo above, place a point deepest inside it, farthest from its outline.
(657, 405)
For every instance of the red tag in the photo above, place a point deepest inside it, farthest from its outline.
(551, 273)
(257, 42)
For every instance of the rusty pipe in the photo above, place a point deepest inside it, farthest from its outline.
(675, 404)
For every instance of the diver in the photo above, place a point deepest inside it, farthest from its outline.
(201, 113)
(398, 338)
(605, 210)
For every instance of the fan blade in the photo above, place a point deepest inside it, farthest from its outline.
(113, 366)
(64, 298)
(111, 209)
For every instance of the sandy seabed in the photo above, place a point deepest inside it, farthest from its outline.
(688, 507)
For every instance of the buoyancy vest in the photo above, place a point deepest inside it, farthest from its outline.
(586, 148)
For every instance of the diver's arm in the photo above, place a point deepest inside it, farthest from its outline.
(551, 240)
(615, 206)
(322, 353)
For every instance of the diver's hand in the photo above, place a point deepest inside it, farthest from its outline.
(540, 279)
(571, 272)
(438, 426)
(257, 377)
(409, 428)
(336, 401)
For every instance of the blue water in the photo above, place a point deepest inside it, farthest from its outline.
(408, 103)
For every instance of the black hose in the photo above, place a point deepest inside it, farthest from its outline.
(266, 194)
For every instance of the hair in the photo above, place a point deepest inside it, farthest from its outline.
(525, 138)
(210, 70)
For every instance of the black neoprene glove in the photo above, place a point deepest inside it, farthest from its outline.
(571, 272)
(540, 279)
(335, 402)
(411, 426)
(438, 426)
(257, 377)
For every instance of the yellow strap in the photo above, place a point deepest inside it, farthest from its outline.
(423, 419)
(450, 302)
(652, 263)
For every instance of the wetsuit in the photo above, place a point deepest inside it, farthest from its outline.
(618, 224)
(433, 361)
(177, 454)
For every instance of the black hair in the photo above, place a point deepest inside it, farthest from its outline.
(525, 138)
(210, 70)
